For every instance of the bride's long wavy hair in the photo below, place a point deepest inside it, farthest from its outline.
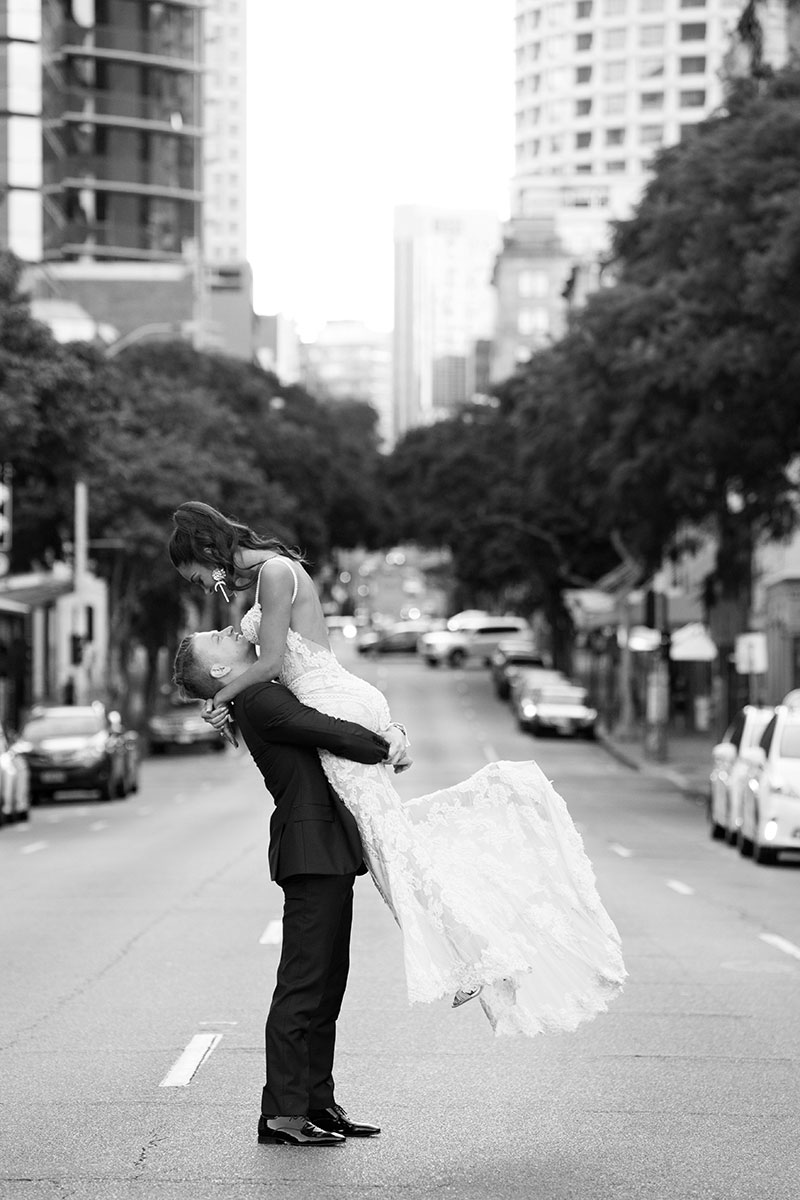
(201, 534)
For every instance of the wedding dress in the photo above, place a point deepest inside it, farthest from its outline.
(488, 879)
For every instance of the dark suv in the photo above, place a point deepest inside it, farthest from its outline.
(74, 748)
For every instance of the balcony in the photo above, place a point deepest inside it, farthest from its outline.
(111, 41)
(113, 239)
(129, 174)
(127, 107)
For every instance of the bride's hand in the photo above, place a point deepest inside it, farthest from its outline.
(404, 763)
(398, 744)
(216, 716)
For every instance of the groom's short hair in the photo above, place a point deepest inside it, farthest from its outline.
(189, 674)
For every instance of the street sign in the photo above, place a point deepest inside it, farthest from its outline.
(751, 654)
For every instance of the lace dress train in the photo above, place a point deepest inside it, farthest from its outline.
(488, 880)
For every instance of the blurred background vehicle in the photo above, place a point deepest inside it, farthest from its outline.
(771, 797)
(525, 681)
(558, 707)
(476, 640)
(179, 723)
(731, 765)
(509, 656)
(15, 784)
(399, 638)
(75, 748)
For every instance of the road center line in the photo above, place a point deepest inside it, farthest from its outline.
(272, 935)
(682, 889)
(32, 847)
(622, 851)
(96, 826)
(780, 943)
(186, 1067)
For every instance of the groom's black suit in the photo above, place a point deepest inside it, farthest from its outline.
(315, 854)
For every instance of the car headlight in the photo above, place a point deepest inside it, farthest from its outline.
(528, 709)
(90, 755)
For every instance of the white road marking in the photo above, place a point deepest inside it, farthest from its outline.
(773, 939)
(186, 1067)
(490, 752)
(144, 811)
(682, 889)
(96, 826)
(622, 851)
(272, 935)
(32, 847)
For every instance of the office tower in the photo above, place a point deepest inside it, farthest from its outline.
(601, 85)
(350, 361)
(443, 307)
(20, 129)
(225, 149)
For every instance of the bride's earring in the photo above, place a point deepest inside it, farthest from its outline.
(218, 575)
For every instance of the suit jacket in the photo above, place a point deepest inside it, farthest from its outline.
(311, 831)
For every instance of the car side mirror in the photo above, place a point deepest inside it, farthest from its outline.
(724, 754)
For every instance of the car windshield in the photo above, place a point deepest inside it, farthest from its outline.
(562, 695)
(80, 725)
(790, 741)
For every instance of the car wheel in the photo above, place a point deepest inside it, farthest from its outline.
(457, 658)
(135, 781)
(745, 845)
(502, 692)
(432, 662)
(716, 831)
(107, 790)
(157, 748)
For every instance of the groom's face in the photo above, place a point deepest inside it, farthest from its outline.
(224, 648)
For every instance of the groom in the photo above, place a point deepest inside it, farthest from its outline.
(315, 854)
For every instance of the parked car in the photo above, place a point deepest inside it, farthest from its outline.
(558, 707)
(477, 641)
(15, 783)
(771, 797)
(506, 661)
(400, 638)
(179, 723)
(525, 681)
(74, 748)
(730, 770)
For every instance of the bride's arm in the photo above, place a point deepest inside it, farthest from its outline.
(275, 595)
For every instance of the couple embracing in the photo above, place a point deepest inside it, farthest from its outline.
(488, 879)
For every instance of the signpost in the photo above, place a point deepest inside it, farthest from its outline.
(750, 657)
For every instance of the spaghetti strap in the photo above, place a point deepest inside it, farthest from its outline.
(277, 558)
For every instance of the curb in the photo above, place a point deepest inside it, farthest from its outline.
(628, 759)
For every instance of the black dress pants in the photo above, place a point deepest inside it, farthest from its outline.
(312, 975)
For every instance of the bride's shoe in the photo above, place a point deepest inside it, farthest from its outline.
(465, 994)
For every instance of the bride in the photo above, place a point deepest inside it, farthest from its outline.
(488, 879)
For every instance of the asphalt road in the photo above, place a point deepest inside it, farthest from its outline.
(131, 930)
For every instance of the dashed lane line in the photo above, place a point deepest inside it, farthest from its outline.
(272, 935)
(184, 1069)
(622, 851)
(33, 847)
(682, 889)
(96, 826)
(781, 943)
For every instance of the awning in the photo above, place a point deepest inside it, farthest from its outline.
(691, 643)
(32, 592)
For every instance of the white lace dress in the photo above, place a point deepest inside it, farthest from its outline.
(488, 880)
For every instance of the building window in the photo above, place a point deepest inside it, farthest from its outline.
(614, 39)
(613, 8)
(583, 169)
(583, 108)
(614, 104)
(583, 75)
(651, 35)
(615, 166)
(693, 99)
(583, 9)
(693, 66)
(613, 72)
(533, 283)
(693, 33)
(693, 3)
(583, 41)
(583, 140)
(651, 68)
(649, 6)
(615, 137)
(532, 321)
(651, 135)
(649, 101)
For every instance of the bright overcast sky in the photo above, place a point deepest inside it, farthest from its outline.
(355, 106)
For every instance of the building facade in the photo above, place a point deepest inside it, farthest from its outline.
(443, 308)
(21, 128)
(350, 361)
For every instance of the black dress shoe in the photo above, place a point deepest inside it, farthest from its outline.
(301, 1132)
(336, 1120)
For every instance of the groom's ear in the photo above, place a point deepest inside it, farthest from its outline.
(219, 671)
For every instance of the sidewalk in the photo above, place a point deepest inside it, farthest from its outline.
(688, 764)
